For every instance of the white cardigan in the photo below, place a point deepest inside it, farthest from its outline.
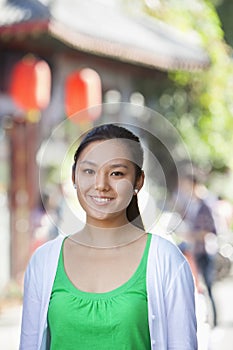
(170, 289)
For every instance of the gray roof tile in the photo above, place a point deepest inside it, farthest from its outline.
(18, 11)
(93, 27)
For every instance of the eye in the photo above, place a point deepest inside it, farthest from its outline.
(117, 173)
(89, 171)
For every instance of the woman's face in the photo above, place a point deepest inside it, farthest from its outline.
(105, 179)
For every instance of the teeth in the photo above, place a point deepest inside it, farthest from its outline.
(101, 200)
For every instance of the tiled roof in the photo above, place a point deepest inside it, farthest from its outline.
(93, 27)
(18, 11)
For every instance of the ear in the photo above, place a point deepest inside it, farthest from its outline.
(140, 181)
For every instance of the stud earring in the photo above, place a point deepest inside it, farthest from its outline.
(75, 186)
(136, 190)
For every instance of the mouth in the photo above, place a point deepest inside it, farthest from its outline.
(101, 200)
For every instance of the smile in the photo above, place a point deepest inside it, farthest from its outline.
(101, 200)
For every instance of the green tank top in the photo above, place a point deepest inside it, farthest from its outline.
(113, 320)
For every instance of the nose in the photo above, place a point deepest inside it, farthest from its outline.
(101, 182)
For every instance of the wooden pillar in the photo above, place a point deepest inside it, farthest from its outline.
(23, 192)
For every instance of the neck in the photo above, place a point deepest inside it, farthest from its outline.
(108, 236)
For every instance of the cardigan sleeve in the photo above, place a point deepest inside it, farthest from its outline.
(38, 282)
(180, 310)
(171, 298)
(31, 308)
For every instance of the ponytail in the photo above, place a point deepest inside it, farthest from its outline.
(133, 213)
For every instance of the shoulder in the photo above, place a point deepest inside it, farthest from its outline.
(164, 245)
(167, 261)
(204, 207)
(165, 253)
(48, 250)
(43, 263)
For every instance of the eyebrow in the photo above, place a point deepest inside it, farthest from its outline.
(88, 162)
(120, 165)
(113, 166)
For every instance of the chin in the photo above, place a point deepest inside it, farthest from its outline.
(107, 218)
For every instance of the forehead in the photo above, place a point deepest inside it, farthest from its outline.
(101, 152)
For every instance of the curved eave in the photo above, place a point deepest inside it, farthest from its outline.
(119, 51)
(22, 29)
(104, 47)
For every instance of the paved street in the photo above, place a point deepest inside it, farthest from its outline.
(9, 327)
(220, 338)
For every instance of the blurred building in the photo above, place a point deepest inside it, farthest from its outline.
(69, 36)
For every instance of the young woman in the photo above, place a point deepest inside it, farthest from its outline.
(111, 285)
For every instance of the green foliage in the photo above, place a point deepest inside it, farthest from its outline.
(200, 104)
(225, 10)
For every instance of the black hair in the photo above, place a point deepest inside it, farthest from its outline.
(113, 131)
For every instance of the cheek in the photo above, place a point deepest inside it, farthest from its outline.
(83, 186)
(124, 191)
(81, 191)
(125, 185)
(124, 188)
(84, 182)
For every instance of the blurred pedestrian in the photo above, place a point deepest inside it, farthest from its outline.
(201, 229)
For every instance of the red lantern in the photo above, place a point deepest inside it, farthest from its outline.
(31, 83)
(82, 92)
